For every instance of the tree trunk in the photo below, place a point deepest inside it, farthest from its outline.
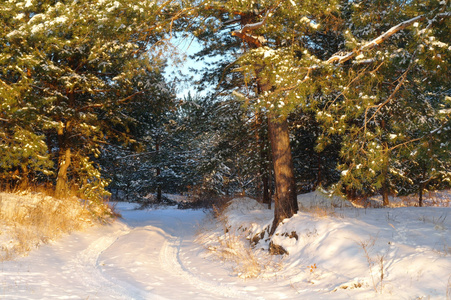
(421, 187)
(385, 193)
(24, 181)
(270, 185)
(157, 148)
(385, 174)
(420, 195)
(62, 187)
(266, 192)
(319, 174)
(64, 160)
(263, 184)
(285, 201)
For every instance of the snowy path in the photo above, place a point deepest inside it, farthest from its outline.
(147, 255)
(152, 255)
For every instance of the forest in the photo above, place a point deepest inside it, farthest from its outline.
(350, 97)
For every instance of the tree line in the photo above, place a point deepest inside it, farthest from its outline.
(352, 96)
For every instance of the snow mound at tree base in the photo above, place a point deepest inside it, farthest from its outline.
(343, 253)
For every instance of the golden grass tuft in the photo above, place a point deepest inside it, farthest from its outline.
(30, 219)
(232, 248)
(233, 245)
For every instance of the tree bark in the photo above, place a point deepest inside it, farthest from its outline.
(62, 186)
(285, 201)
(421, 187)
(385, 171)
(64, 161)
(385, 192)
(420, 195)
(319, 178)
(157, 148)
(286, 204)
(263, 184)
(266, 193)
(24, 181)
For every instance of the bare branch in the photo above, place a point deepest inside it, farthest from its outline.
(243, 32)
(248, 38)
(131, 96)
(5, 84)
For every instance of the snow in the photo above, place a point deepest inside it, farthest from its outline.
(339, 252)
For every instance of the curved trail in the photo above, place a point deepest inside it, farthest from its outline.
(171, 262)
(147, 255)
(155, 250)
(86, 264)
(152, 255)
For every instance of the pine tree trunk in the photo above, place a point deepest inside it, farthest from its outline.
(263, 184)
(24, 181)
(385, 193)
(285, 202)
(157, 148)
(318, 175)
(64, 160)
(420, 194)
(385, 182)
(62, 187)
(266, 192)
(270, 185)
(421, 188)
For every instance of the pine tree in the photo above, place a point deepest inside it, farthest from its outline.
(275, 37)
(23, 151)
(70, 62)
(392, 96)
(291, 57)
(139, 145)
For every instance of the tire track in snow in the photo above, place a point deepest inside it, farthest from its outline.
(86, 266)
(170, 261)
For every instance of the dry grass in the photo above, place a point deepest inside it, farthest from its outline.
(233, 245)
(375, 264)
(30, 219)
(321, 212)
(232, 248)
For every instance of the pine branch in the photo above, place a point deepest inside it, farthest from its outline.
(251, 27)
(385, 36)
(248, 38)
(247, 28)
(379, 40)
(5, 84)
(379, 106)
(131, 96)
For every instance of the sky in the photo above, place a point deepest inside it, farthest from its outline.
(181, 70)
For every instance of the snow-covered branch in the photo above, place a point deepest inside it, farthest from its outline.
(253, 26)
(243, 33)
(385, 36)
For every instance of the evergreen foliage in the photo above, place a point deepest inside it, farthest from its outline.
(391, 99)
(68, 70)
(358, 91)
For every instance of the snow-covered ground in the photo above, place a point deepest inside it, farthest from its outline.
(336, 253)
